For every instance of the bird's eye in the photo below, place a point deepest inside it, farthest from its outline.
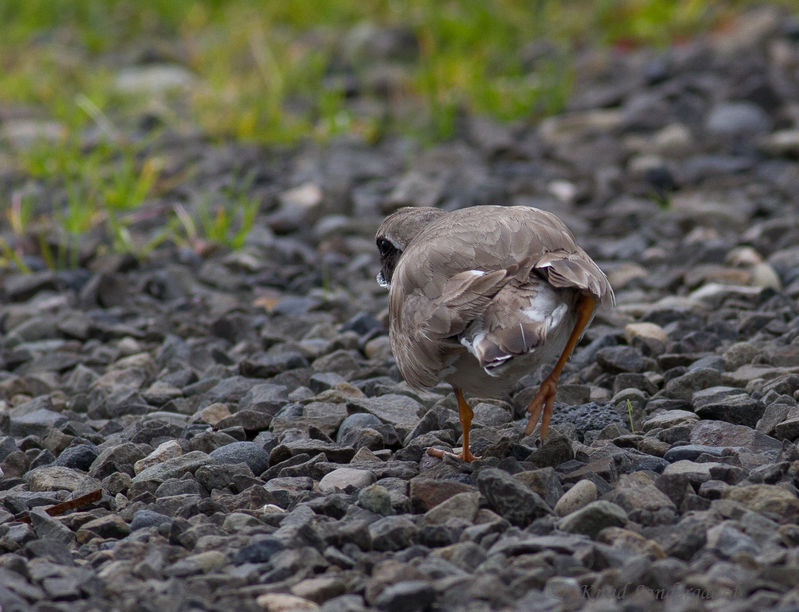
(384, 246)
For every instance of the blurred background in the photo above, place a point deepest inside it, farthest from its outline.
(281, 71)
(88, 86)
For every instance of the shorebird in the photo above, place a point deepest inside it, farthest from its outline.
(480, 296)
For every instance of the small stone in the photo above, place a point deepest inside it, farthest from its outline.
(200, 563)
(110, 526)
(727, 539)
(737, 119)
(771, 500)
(213, 413)
(645, 331)
(50, 529)
(628, 540)
(644, 503)
(669, 418)
(319, 589)
(617, 359)
(148, 518)
(283, 602)
(580, 495)
(80, 456)
(53, 478)
(426, 493)
(239, 521)
(392, 533)
(260, 551)
(37, 422)
(174, 467)
(462, 506)
(510, 498)
(406, 596)
(690, 452)
(725, 404)
(164, 451)
(400, 411)
(256, 458)
(344, 479)
(593, 518)
(694, 472)
(376, 498)
(544, 481)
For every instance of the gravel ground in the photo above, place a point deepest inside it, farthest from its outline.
(255, 447)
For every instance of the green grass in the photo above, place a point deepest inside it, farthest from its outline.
(274, 72)
(630, 415)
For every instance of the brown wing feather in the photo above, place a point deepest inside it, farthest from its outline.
(434, 296)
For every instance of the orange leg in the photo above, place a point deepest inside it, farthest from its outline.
(465, 415)
(545, 398)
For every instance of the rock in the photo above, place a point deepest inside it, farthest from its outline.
(695, 472)
(213, 413)
(652, 336)
(756, 448)
(690, 452)
(592, 416)
(544, 481)
(582, 493)
(737, 119)
(406, 596)
(256, 458)
(110, 526)
(148, 518)
(727, 404)
(669, 418)
(260, 551)
(770, 500)
(728, 540)
(375, 498)
(174, 467)
(593, 518)
(49, 529)
(80, 456)
(644, 503)
(283, 602)
(164, 451)
(345, 479)
(510, 498)
(426, 493)
(53, 478)
(392, 533)
(119, 458)
(622, 359)
(36, 422)
(319, 589)
(631, 541)
(400, 411)
(461, 506)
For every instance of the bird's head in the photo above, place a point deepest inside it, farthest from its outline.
(396, 233)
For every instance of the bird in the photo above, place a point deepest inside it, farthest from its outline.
(480, 296)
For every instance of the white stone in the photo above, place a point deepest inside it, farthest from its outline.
(646, 331)
(165, 450)
(342, 478)
(580, 495)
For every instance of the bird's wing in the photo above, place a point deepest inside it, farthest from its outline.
(453, 270)
(574, 269)
(423, 326)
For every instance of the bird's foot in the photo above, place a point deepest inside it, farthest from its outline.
(543, 401)
(464, 455)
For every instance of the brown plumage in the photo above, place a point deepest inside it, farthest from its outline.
(480, 296)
